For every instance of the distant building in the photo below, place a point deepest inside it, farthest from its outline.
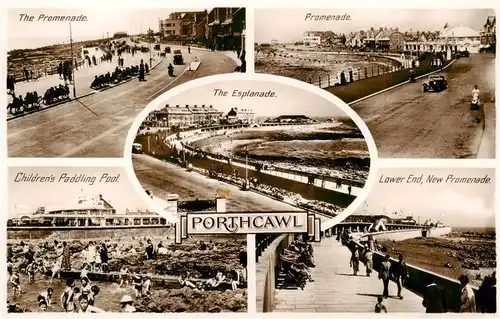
(396, 42)
(244, 116)
(488, 34)
(120, 34)
(455, 39)
(184, 116)
(290, 119)
(184, 24)
(312, 38)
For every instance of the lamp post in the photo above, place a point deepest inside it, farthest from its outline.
(150, 57)
(72, 61)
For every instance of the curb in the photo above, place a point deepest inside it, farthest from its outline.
(400, 84)
(51, 106)
(80, 96)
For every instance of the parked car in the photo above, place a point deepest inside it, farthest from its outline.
(178, 57)
(435, 83)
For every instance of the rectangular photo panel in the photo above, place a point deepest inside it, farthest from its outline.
(424, 242)
(91, 71)
(84, 241)
(406, 72)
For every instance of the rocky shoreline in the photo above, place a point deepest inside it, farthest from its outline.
(451, 255)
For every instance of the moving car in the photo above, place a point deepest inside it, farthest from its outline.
(178, 57)
(435, 83)
(136, 148)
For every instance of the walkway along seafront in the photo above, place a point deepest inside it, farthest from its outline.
(335, 289)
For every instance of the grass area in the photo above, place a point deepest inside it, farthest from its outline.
(359, 89)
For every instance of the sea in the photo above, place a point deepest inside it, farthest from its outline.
(41, 41)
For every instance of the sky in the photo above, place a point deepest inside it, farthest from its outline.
(289, 100)
(27, 197)
(103, 20)
(461, 205)
(267, 28)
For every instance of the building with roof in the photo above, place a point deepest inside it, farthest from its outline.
(455, 39)
(226, 29)
(244, 116)
(184, 24)
(184, 116)
(488, 34)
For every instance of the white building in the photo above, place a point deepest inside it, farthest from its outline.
(451, 39)
(312, 40)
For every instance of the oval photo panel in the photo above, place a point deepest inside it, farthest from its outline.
(251, 143)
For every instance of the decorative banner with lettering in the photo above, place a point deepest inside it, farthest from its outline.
(247, 223)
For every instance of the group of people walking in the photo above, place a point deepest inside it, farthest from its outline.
(436, 299)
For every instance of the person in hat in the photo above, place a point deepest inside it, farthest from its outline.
(127, 304)
(384, 274)
(400, 274)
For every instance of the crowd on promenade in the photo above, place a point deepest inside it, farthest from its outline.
(295, 261)
(435, 298)
(274, 192)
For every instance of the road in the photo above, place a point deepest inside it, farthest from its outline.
(335, 289)
(405, 122)
(72, 130)
(163, 178)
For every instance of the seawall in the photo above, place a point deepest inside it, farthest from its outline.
(87, 233)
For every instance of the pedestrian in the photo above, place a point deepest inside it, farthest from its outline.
(349, 189)
(368, 261)
(355, 260)
(467, 298)
(60, 70)
(384, 274)
(150, 250)
(104, 257)
(400, 271)
(486, 295)
(189, 49)
(66, 256)
(141, 71)
(434, 301)
(380, 307)
(475, 103)
(26, 74)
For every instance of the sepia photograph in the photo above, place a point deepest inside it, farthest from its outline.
(411, 74)
(423, 242)
(77, 78)
(257, 145)
(85, 242)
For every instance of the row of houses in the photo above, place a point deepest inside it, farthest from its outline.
(185, 116)
(221, 28)
(459, 38)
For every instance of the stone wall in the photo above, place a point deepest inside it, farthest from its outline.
(88, 233)
(266, 272)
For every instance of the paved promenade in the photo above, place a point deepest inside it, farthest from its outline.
(335, 289)
(84, 75)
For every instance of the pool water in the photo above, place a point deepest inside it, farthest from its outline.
(108, 298)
